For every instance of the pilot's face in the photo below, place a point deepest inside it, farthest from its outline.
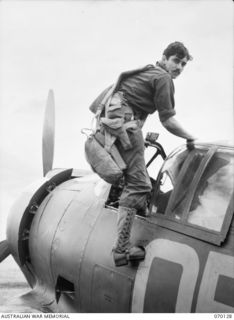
(174, 65)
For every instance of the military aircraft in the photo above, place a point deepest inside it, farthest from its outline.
(61, 231)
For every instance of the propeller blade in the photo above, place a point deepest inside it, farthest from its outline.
(4, 250)
(48, 134)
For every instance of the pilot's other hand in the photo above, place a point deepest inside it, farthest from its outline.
(190, 144)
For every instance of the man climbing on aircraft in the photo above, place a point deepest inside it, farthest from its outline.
(137, 94)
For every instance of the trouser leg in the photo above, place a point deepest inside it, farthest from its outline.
(137, 182)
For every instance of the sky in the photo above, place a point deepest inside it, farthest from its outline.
(78, 48)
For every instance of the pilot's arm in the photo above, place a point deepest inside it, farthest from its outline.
(164, 101)
(174, 127)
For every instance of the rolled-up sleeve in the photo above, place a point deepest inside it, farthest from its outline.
(164, 97)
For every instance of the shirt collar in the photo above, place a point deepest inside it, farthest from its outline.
(159, 64)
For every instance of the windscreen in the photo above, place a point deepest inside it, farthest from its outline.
(213, 193)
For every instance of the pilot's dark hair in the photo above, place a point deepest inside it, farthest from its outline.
(177, 48)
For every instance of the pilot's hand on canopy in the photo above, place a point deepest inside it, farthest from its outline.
(190, 144)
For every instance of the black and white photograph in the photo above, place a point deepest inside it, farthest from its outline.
(116, 158)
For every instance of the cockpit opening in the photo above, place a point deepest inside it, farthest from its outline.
(116, 190)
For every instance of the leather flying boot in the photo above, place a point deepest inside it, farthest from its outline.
(121, 252)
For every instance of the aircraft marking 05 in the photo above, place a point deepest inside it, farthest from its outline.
(217, 264)
(171, 251)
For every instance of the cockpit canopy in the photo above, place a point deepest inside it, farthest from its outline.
(196, 188)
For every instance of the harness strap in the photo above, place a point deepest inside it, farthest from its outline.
(109, 138)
